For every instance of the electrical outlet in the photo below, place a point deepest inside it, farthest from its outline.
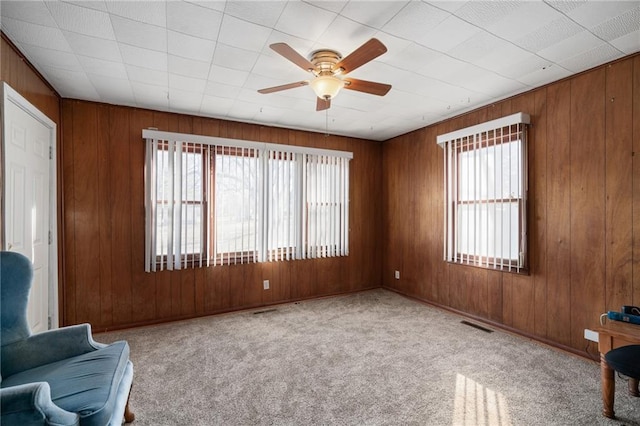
(397, 275)
(591, 335)
(265, 284)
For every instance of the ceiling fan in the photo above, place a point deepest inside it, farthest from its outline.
(328, 68)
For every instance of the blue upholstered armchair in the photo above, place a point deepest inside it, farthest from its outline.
(58, 377)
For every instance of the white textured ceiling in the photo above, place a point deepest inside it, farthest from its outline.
(209, 58)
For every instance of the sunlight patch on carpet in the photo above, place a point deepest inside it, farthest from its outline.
(475, 404)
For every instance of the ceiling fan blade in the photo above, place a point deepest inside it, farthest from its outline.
(283, 87)
(365, 86)
(322, 104)
(363, 54)
(287, 51)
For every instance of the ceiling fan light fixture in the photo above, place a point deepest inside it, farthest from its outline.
(326, 86)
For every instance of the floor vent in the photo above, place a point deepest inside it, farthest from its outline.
(479, 327)
(266, 311)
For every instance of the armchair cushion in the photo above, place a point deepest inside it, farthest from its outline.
(86, 384)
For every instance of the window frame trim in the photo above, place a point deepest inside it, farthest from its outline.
(466, 140)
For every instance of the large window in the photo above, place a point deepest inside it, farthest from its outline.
(214, 201)
(485, 192)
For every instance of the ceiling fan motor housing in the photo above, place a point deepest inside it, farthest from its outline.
(324, 61)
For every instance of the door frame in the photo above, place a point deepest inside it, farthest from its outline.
(11, 95)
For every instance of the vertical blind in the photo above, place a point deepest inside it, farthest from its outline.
(214, 201)
(485, 181)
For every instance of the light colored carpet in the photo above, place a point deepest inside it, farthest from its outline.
(370, 358)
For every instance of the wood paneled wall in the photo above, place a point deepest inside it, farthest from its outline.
(105, 282)
(584, 211)
(17, 72)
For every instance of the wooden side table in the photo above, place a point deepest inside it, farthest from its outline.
(610, 336)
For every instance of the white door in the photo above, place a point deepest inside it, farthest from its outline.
(26, 188)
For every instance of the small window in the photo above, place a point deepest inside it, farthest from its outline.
(485, 184)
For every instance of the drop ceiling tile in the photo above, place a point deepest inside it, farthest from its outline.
(222, 90)
(445, 68)
(570, 46)
(100, 67)
(486, 13)
(187, 84)
(184, 101)
(329, 5)
(149, 12)
(413, 19)
(490, 84)
(358, 101)
(619, 26)
(75, 85)
(523, 20)
(218, 5)
(147, 76)
(245, 35)
(565, 6)
(628, 44)
(234, 57)
(144, 58)
(409, 82)
(270, 114)
(447, 34)
(81, 20)
(373, 14)
(219, 74)
(508, 55)
(476, 47)
(53, 58)
(188, 67)
(35, 35)
(592, 13)
(194, 20)
(93, 47)
(595, 56)
(548, 35)
(112, 90)
(99, 5)
(526, 65)
(449, 5)
(244, 110)
(344, 36)
(541, 76)
(213, 106)
(413, 58)
(190, 47)
(35, 12)
(149, 94)
(138, 34)
(304, 20)
(265, 13)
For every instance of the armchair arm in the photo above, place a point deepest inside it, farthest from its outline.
(30, 404)
(47, 347)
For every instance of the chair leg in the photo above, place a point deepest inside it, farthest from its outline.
(633, 387)
(128, 414)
